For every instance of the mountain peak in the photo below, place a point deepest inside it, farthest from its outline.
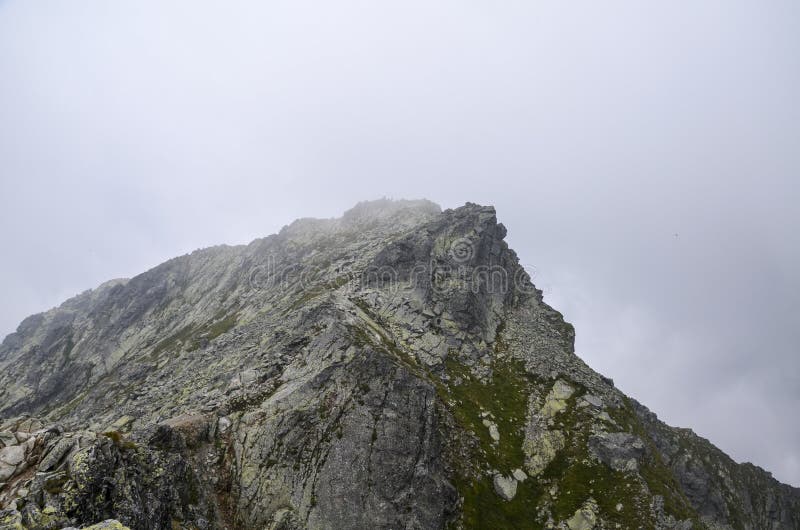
(392, 368)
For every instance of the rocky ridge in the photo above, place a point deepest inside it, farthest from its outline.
(393, 368)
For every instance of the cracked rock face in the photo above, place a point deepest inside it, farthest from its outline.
(619, 450)
(393, 368)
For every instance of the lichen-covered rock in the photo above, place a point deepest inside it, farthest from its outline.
(11, 519)
(540, 450)
(556, 400)
(394, 368)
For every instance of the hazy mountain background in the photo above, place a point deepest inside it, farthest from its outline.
(645, 158)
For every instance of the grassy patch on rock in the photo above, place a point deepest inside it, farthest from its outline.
(503, 400)
(569, 480)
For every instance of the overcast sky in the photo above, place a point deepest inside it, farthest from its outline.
(645, 157)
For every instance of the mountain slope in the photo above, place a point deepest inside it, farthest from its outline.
(394, 368)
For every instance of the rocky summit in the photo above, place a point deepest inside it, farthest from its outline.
(394, 368)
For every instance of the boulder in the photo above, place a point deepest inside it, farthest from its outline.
(556, 400)
(505, 487)
(621, 451)
(12, 455)
(6, 471)
(540, 449)
(223, 424)
(494, 433)
(7, 438)
(585, 517)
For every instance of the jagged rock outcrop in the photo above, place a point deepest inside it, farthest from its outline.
(394, 368)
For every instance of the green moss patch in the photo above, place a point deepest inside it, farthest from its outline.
(503, 400)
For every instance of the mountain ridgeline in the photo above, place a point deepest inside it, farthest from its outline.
(394, 368)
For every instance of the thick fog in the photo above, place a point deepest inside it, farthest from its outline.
(644, 156)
